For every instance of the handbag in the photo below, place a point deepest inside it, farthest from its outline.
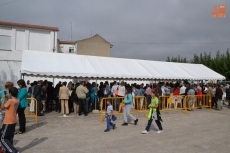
(32, 106)
(122, 103)
(114, 118)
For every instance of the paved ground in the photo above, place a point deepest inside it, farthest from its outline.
(200, 131)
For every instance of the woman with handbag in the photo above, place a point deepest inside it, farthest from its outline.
(22, 95)
(127, 107)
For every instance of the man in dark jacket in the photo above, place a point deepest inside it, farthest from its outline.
(37, 96)
(218, 95)
(56, 97)
(50, 93)
(188, 87)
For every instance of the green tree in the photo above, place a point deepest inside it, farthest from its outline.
(219, 63)
(168, 59)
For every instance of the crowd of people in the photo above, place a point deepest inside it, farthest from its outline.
(83, 97)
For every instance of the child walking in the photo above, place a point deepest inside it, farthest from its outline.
(154, 113)
(10, 121)
(4, 96)
(110, 117)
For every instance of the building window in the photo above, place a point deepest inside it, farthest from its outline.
(71, 50)
(5, 42)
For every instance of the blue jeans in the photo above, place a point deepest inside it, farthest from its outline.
(87, 105)
(109, 123)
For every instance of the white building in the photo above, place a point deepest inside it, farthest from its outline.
(16, 37)
(67, 47)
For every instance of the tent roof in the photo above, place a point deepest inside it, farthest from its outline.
(48, 64)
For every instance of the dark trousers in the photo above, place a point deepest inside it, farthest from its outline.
(70, 105)
(88, 105)
(22, 119)
(57, 105)
(148, 97)
(213, 101)
(49, 104)
(82, 106)
(150, 123)
(7, 137)
(39, 106)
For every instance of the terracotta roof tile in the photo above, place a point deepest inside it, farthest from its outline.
(13, 24)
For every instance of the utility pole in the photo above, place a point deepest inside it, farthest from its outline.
(71, 30)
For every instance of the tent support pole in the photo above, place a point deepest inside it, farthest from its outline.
(95, 101)
(53, 81)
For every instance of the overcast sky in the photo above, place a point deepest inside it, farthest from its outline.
(149, 29)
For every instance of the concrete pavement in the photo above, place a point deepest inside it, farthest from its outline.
(199, 131)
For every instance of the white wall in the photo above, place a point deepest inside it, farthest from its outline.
(40, 40)
(64, 48)
(9, 71)
(25, 38)
(13, 41)
(6, 38)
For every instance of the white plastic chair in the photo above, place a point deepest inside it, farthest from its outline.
(177, 100)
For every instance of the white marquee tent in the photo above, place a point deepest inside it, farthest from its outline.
(59, 65)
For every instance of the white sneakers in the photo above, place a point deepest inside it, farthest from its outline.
(160, 131)
(144, 132)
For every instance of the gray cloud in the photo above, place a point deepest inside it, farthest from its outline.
(139, 23)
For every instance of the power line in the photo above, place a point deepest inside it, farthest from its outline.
(8, 2)
(167, 43)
